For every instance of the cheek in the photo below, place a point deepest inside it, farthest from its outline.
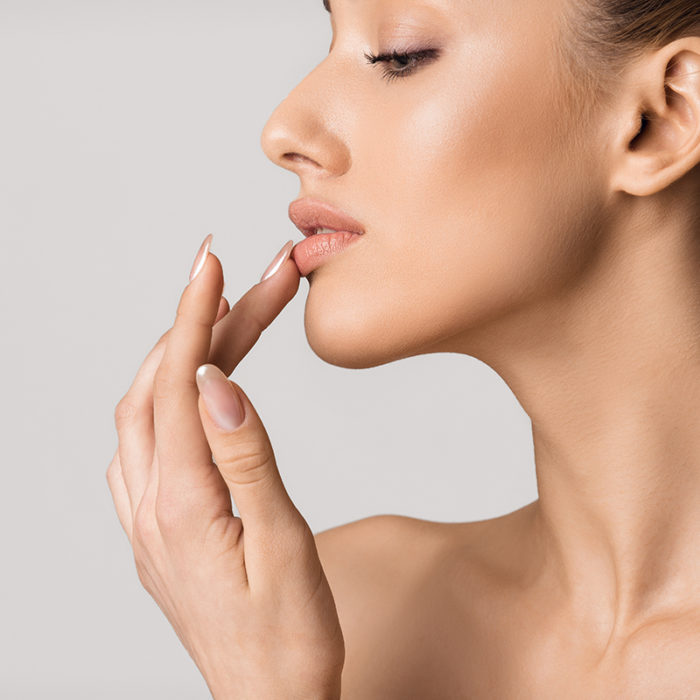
(473, 207)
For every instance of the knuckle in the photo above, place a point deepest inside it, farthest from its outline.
(145, 527)
(144, 578)
(143, 570)
(189, 317)
(163, 382)
(169, 516)
(225, 529)
(111, 473)
(252, 323)
(124, 412)
(251, 464)
(254, 320)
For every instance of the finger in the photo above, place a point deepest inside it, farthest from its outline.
(223, 310)
(244, 456)
(120, 496)
(184, 457)
(240, 329)
(134, 421)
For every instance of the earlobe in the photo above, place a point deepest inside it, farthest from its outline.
(661, 141)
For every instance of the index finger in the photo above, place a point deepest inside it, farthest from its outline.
(238, 331)
(184, 455)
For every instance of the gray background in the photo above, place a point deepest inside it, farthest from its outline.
(128, 131)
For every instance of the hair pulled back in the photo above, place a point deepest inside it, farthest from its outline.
(603, 36)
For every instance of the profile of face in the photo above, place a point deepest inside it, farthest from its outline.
(476, 190)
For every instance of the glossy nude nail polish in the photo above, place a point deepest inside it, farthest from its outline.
(201, 257)
(220, 397)
(278, 260)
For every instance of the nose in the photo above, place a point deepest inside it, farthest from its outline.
(304, 133)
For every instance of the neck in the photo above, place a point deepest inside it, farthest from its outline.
(610, 377)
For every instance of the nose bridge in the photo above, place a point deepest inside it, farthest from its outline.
(306, 123)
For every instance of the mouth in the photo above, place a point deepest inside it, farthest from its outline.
(327, 232)
(315, 250)
(323, 229)
(313, 217)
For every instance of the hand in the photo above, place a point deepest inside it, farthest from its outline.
(247, 595)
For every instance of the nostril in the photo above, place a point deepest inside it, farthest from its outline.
(299, 158)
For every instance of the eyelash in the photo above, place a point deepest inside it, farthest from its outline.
(417, 57)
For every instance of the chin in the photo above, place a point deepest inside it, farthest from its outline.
(351, 336)
(342, 340)
(343, 332)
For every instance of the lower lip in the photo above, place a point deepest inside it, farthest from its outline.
(317, 248)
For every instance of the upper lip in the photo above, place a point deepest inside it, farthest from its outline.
(310, 214)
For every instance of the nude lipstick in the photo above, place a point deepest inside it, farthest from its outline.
(327, 230)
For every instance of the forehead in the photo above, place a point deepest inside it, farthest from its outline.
(537, 18)
(368, 13)
(327, 3)
(406, 17)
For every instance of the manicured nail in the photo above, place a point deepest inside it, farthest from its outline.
(220, 398)
(277, 262)
(201, 257)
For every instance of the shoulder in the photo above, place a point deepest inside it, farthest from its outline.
(397, 550)
(363, 557)
(374, 567)
(378, 539)
(388, 555)
(404, 589)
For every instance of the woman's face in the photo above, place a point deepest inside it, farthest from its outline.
(475, 188)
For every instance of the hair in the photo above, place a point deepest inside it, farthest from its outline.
(601, 37)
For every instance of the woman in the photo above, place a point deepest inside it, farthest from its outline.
(517, 182)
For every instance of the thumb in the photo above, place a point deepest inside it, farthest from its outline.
(243, 454)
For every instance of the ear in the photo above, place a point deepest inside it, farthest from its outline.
(659, 141)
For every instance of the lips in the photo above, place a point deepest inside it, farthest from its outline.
(309, 214)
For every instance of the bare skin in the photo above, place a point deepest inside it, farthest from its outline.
(562, 252)
(448, 610)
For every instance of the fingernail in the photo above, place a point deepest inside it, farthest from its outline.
(220, 398)
(277, 262)
(201, 257)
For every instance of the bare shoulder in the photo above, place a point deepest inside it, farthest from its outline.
(376, 568)
(375, 546)
(377, 549)
(398, 584)
(380, 553)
